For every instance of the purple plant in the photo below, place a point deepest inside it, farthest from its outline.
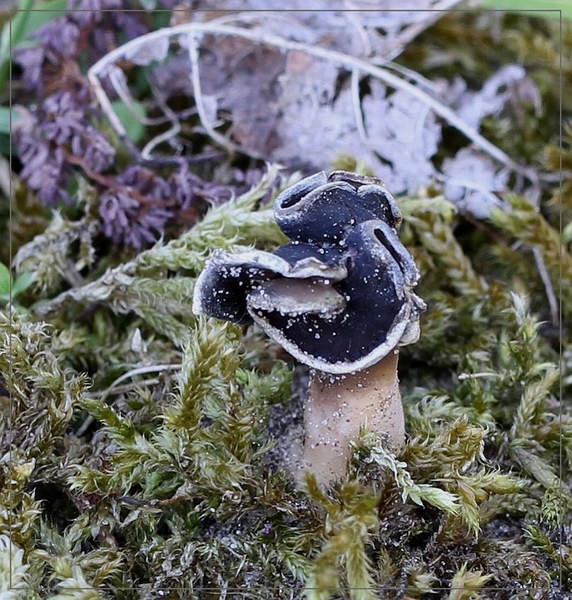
(89, 12)
(127, 222)
(60, 134)
(137, 210)
(43, 164)
(47, 136)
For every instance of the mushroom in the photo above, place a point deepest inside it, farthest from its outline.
(339, 298)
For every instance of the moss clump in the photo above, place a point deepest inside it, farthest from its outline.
(159, 475)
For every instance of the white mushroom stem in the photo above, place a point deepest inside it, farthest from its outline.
(339, 405)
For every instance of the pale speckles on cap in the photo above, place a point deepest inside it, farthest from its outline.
(339, 297)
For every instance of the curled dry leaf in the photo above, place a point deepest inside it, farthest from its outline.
(405, 134)
(509, 86)
(304, 89)
(355, 27)
(472, 182)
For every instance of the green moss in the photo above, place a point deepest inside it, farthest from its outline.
(172, 477)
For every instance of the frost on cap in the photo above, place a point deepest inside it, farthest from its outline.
(339, 297)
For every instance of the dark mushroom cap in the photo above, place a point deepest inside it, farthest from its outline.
(322, 210)
(339, 298)
(223, 288)
(379, 305)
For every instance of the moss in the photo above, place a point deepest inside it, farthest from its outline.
(171, 474)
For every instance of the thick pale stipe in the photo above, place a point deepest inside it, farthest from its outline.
(338, 405)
